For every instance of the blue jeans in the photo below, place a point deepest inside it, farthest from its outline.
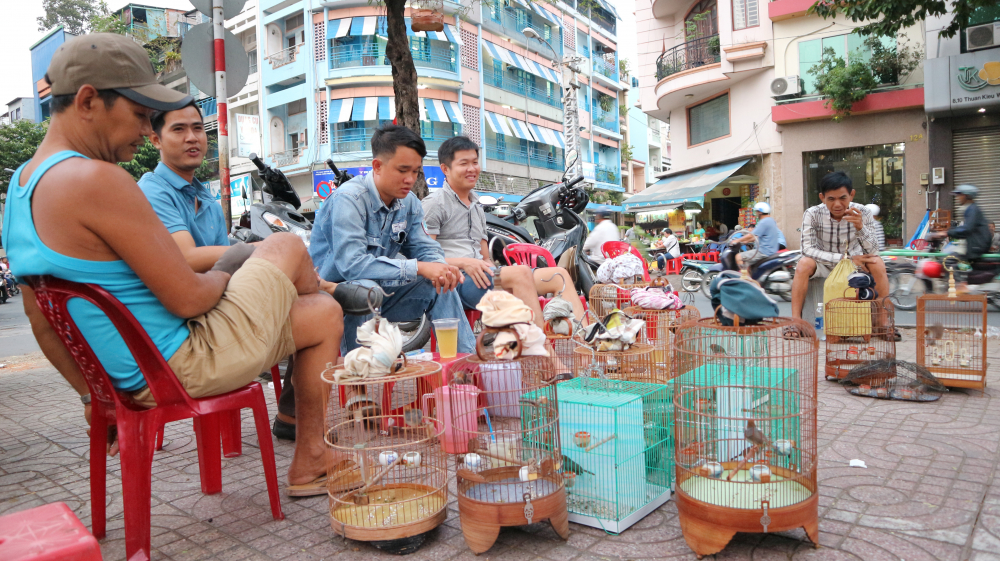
(470, 294)
(409, 302)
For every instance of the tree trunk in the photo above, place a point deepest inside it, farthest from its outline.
(404, 76)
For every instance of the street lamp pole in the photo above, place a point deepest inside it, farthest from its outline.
(571, 115)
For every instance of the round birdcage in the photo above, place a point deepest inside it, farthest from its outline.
(659, 332)
(633, 365)
(858, 332)
(562, 348)
(388, 479)
(504, 425)
(605, 298)
(745, 430)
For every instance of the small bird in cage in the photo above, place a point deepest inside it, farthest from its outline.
(934, 333)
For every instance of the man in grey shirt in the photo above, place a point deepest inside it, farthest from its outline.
(453, 216)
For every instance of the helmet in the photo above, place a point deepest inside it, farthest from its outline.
(931, 269)
(873, 208)
(967, 190)
(762, 208)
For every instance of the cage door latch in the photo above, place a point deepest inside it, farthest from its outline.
(529, 509)
(765, 520)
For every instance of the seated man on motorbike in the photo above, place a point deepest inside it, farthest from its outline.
(457, 221)
(765, 234)
(826, 229)
(973, 228)
(218, 329)
(364, 230)
(196, 223)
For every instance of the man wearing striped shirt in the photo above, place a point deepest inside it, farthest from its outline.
(830, 227)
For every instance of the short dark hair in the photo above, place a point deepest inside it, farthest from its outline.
(159, 118)
(60, 103)
(668, 231)
(833, 181)
(446, 153)
(388, 138)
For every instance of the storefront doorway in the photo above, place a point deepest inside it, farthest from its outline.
(877, 174)
(726, 210)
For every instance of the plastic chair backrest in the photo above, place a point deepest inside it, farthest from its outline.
(527, 254)
(614, 249)
(53, 294)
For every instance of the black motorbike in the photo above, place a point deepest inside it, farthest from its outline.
(773, 273)
(549, 216)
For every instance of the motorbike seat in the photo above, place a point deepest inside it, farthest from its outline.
(764, 261)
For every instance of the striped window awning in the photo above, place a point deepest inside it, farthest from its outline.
(356, 27)
(340, 110)
(498, 123)
(365, 109)
(363, 26)
(518, 61)
(520, 129)
(362, 109)
(610, 9)
(387, 108)
(508, 126)
(337, 28)
(548, 136)
(554, 19)
(449, 34)
(440, 111)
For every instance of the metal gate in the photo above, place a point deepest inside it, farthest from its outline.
(976, 154)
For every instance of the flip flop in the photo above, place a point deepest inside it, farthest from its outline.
(348, 478)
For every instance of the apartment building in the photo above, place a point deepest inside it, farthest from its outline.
(705, 67)
(326, 85)
(962, 100)
(643, 134)
(17, 109)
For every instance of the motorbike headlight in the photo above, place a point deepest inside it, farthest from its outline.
(302, 233)
(277, 224)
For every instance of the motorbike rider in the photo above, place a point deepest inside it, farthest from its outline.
(765, 233)
(361, 230)
(196, 223)
(455, 220)
(826, 228)
(879, 231)
(973, 228)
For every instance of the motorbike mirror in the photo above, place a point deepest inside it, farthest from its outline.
(487, 200)
(571, 155)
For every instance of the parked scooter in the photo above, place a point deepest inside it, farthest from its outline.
(553, 212)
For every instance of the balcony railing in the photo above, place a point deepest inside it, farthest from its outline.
(519, 87)
(607, 120)
(513, 26)
(353, 56)
(506, 154)
(546, 160)
(688, 55)
(283, 57)
(609, 24)
(532, 156)
(208, 106)
(288, 157)
(605, 68)
(359, 140)
(583, 50)
(604, 174)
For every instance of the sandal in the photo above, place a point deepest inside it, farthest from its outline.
(347, 478)
(793, 332)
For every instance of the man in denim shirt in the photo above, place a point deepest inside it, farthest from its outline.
(362, 229)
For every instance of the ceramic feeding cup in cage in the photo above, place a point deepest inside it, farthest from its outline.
(745, 400)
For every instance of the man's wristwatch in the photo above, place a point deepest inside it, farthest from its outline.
(85, 399)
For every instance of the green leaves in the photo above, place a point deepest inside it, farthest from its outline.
(887, 17)
(145, 160)
(73, 15)
(18, 142)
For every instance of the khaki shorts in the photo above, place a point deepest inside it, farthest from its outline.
(247, 333)
(822, 270)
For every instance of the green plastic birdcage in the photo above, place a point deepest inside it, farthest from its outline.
(617, 450)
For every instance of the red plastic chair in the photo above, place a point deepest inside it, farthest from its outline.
(527, 254)
(137, 426)
(614, 249)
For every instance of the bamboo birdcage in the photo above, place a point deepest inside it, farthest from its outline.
(389, 478)
(659, 332)
(858, 332)
(616, 438)
(605, 298)
(940, 221)
(632, 365)
(509, 472)
(745, 430)
(951, 338)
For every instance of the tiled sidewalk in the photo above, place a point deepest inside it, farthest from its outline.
(928, 493)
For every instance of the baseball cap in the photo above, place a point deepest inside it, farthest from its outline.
(108, 61)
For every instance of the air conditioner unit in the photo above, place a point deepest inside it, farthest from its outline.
(789, 85)
(982, 36)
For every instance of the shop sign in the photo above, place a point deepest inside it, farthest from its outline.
(248, 135)
(323, 179)
(965, 82)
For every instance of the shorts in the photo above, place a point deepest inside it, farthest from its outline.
(822, 270)
(752, 256)
(247, 333)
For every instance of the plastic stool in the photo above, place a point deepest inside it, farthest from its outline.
(50, 532)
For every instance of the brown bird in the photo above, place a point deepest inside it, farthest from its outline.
(755, 436)
(934, 333)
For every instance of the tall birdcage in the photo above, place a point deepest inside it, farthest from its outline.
(951, 338)
(632, 365)
(858, 332)
(745, 430)
(605, 298)
(659, 332)
(510, 471)
(389, 477)
(617, 460)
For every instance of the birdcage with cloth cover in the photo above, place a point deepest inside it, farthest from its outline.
(509, 469)
(617, 460)
(745, 429)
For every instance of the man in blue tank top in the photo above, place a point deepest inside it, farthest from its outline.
(218, 329)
